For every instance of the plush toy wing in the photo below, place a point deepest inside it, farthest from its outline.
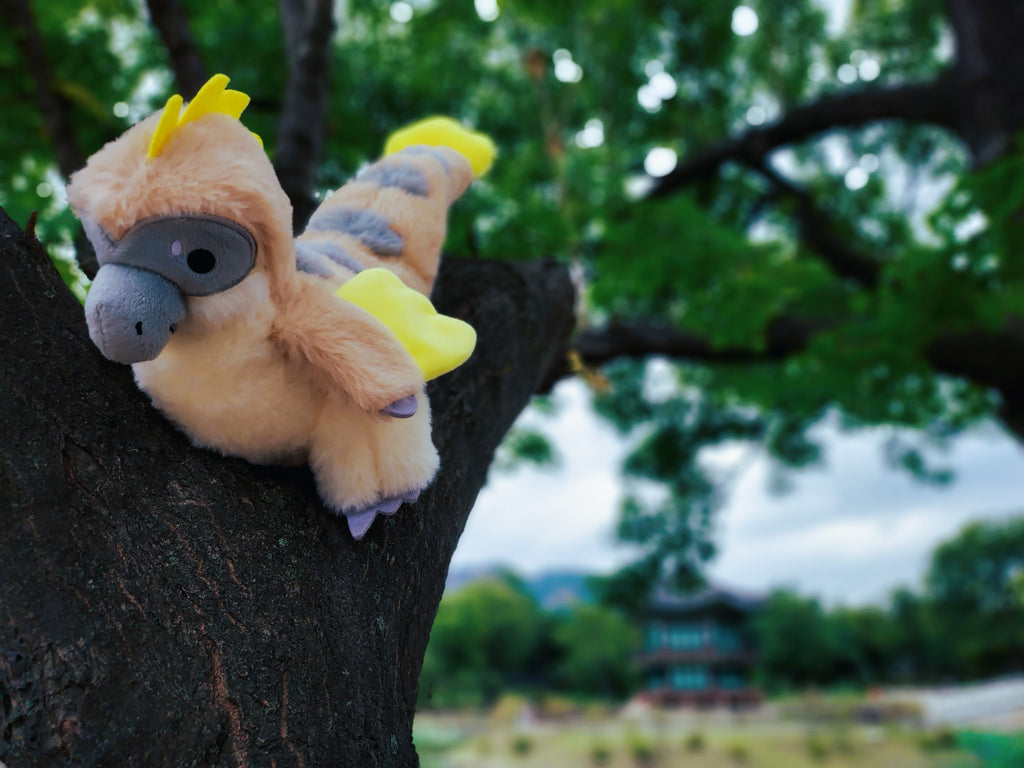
(436, 342)
(348, 347)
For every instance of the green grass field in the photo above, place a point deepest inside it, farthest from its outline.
(674, 740)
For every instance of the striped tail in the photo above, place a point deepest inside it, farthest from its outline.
(394, 214)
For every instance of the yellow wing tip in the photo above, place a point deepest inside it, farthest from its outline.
(441, 131)
(436, 342)
(213, 97)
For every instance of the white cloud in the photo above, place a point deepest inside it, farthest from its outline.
(849, 531)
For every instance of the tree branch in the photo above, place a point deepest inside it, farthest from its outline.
(817, 231)
(162, 605)
(308, 28)
(171, 24)
(989, 358)
(932, 102)
(596, 346)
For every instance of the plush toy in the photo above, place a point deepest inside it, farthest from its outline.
(277, 349)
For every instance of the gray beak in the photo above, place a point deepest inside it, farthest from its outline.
(132, 312)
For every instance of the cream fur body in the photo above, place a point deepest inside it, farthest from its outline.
(232, 388)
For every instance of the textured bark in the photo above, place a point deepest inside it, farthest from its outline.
(161, 605)
(171, 23)
(308, 28)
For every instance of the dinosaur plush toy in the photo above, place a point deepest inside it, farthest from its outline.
(277, 349)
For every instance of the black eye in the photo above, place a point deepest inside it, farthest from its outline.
(201, 261)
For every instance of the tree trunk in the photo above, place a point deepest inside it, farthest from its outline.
(989, 59)
(162, 605)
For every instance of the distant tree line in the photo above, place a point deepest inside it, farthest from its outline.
(967, 622)
(493, 636)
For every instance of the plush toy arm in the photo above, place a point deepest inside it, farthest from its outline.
(348, 347)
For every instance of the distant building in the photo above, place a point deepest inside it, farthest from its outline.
(699, 648)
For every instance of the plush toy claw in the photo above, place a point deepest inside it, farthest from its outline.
(278, 349)
(360, 520)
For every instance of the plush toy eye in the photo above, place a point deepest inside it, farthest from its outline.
(200, 254)
(201, 261)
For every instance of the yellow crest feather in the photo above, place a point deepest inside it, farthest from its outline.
(213, 97)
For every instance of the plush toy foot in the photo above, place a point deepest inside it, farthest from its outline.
(401, 409)
(360, 519)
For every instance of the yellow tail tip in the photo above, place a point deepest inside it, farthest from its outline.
(442, 131)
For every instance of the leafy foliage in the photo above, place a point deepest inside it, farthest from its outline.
(491, 636)
(576, 96)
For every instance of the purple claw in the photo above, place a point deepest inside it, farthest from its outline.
(390, 505)
(360, 522)
(361, 518)
(401, 409)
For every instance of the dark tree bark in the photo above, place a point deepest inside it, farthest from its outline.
(161, 605)
(308, 27)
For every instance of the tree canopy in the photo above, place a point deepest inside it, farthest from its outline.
(807, 211)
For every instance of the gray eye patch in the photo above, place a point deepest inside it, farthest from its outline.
(200, 254)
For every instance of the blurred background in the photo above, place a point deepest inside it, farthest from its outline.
(772, 512)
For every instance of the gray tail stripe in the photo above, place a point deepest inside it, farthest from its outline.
(320, 250)
(369, 228)
(423, 149)
(400, 175)
(309, 261)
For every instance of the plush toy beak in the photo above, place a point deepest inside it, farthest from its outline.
(132, 312)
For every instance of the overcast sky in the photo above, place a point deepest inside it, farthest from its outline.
(849, 531)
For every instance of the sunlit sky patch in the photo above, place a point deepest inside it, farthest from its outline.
(592, 134)
(660, 161)
(849, 531)
(744, 21)
(487, 10)
(566, 70)
(663, 85)
(856, 178)
(401, 12)
(660, 86)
